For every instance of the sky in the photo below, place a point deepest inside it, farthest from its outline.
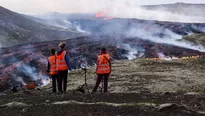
(77, 6)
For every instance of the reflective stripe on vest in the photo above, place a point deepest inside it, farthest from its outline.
(61, 62)
(103, 66)
(104, 69)
(52, 62)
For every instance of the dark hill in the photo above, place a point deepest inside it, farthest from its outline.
(17, 28)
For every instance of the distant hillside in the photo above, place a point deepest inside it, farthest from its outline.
(180, 8)
(17, 28)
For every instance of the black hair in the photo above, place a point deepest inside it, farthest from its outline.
(103, 49)
(53, 51)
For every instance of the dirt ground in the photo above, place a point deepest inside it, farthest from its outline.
(138, 87)
(150, 76)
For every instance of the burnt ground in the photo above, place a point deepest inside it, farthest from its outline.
(16, 60)
(113, 104)
(137, 87)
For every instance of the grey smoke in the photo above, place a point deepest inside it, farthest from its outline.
(61, 21)
(33, 73)
(116, 8)
(170, 37)
(132, 52)
(159, 15)
(79, 29)
(163, 56)
(29, 71)
(20, 79)
(129, 9)
(201, 29)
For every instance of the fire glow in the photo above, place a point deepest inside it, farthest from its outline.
(103, 15)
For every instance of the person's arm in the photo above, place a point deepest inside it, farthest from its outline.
(68, 62)
(48, 67)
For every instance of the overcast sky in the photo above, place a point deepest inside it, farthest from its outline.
(76, 6)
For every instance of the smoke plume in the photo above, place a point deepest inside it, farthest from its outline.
(132, 52)
(153, 34)
(132, 11)
(79, 29)
(20, 79)
(127, 9)
(32, 73)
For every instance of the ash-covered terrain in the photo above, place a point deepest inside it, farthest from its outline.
(85, 35)
(158, 66)
(28, 62)
(137, 87)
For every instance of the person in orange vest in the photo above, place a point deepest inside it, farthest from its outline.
(103, 69)
(62, 67)
(52, 69)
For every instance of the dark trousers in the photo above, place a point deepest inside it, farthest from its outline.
(54, 81)
(62, 80)
(99, 79)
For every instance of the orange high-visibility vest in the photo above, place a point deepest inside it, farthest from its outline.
(61, 64)
(52, 61)
(103, 66)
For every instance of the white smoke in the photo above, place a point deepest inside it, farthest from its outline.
(78, 28)
(55, 20)
(132, 52)
(163, 56)
(20, 79)
(61, 21)
(130, 9)
(122, 9)
(159, 15)
(201, 29)
(34, 74)
(44, 79)
(65, 24)
(146, 31)
(152, 34)
(116, 8)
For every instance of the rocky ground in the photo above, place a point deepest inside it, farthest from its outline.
(29, 61)
(138, 87)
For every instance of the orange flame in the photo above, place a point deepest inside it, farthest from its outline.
(100, 14)
(103, 15)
